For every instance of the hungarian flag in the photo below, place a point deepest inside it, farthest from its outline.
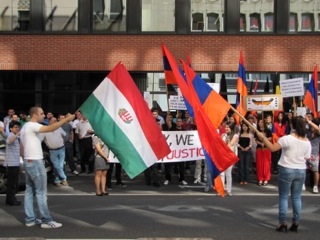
(121, 118)
(311, 96)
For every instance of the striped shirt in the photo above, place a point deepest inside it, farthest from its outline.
(12, 158)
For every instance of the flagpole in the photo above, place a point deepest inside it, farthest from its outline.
(244, 119)
(167, 93)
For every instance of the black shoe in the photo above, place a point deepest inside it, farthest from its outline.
(282, 227)
(156, 184)
(121, 184)
(14, 203)
(294, 227)
(89, 172)
(99, 194)
(83, 171)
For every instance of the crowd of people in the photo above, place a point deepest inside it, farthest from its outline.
(262, 143)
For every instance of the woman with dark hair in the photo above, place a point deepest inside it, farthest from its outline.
(263, 155)
(101, 165)
(231, 139)
(244, 152)
(296, 150)
(279, 127)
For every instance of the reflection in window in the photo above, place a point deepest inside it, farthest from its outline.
(306, 12)
(257, 16)
(207, 15)
(255, 24)
(197, 22)
(109, 15)
(213, 22)
(14, 15)
(307, 22)
(61, 15)
(242, 22)
(268, 22)
(293, 22)
(158, 15)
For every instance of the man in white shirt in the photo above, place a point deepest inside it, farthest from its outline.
(36, 176)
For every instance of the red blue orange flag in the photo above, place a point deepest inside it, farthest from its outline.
(198, 93)
(241, 88)
(168, 74)
(219, 154)
(311, 96)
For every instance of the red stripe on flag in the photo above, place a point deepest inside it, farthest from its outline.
(123, 81)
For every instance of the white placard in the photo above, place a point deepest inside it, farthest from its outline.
(292, 87)
(301, 111)
(177, 103)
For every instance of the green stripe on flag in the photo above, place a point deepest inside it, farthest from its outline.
(109, 132)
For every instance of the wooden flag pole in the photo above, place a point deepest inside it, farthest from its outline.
(245, 120)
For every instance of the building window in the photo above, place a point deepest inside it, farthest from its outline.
(158, 16)
(258, 14)
(293, 22)
(306, 12)
(61, 15)
(109, 15)
(14, 15)
(307, 22)
(255, 24)
(268, 22)
(207, 15)
(197, 22)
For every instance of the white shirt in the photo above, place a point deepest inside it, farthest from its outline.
(31, 141)
(295, 152)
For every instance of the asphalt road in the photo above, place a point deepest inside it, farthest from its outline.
(173, 211)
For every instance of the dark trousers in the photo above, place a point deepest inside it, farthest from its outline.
(69, 156)
(168, 169)
(86, 150)
(12, 183)
(151, 174)
(118, 174)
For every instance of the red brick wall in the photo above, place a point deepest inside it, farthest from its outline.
(143, 52)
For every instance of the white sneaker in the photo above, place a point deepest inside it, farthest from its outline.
(51, 224)
(36, 222)
(315, 189)
(75, 172)
(303, 187)
(196, 181)
(183, 182)
(166, 182)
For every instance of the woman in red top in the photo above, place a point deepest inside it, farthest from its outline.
(279, 128)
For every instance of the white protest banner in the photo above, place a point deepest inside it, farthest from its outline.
(292, 87)
(184, 145)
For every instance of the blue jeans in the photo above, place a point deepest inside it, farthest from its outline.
(290, 181)
(36, 186)
(245, 159)
(57, 159)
